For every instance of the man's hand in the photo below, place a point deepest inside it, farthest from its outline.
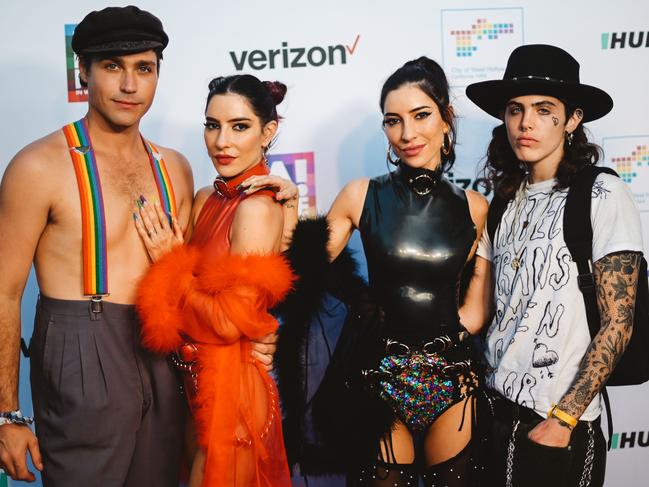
(264, 349)
(550, 433)
(15, 440)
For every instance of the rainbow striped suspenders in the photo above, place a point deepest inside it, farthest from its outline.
(93, 214)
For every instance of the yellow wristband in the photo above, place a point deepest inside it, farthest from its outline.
(563, 416)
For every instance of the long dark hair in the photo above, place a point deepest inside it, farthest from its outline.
(263, 96)
(430, 78)
(505, 173)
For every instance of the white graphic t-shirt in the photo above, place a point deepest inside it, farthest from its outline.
(539, 333)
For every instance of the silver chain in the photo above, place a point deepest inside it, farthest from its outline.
(588, 461)
(510, 455)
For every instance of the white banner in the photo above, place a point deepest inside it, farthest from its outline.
(334, 57)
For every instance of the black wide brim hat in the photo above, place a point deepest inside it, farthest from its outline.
(118, 30)
(540, 69)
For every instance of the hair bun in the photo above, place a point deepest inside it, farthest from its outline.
(277, 90)
(214, 84)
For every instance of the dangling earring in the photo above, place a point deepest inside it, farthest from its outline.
(446, 144)
(264, 154)
(569, 137)
(389, 156)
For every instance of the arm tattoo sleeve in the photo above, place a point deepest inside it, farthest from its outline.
(616, 279)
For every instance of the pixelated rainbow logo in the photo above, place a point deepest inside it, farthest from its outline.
(627, 166)
(300, 168)
(76, 92)
(482, 29)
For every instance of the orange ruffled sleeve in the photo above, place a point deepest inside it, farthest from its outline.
(222, 303)
(214, 301)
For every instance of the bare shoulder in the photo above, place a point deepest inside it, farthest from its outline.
(478, 206)
(173, 157)
(348, 205)
(41, 162)
(257, 225)
(176, 162)
(356, 188)
(264, 209)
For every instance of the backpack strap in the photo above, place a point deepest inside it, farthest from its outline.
(494, 215)
(578, 234)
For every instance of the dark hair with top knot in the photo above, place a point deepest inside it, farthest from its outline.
(430, 78)
(263, 96)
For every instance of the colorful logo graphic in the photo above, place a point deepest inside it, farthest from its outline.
(630, 439)
(76, 92)
(294, 57)
(622, 40)
(476, 42)
(627, 166)
(629, 156)
(299, 168)
(467, 41)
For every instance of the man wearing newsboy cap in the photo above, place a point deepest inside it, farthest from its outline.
(107, 413)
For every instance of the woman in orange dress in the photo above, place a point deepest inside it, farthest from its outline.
(208, 300)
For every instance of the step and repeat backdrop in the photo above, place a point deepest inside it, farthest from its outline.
(334, 56)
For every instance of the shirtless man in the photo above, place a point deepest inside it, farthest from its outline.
(107, 412)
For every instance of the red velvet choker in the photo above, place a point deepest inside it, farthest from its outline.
(230, 188)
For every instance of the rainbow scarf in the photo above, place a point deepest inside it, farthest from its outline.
(93, 214)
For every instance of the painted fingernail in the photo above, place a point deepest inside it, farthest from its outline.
(139, 204)
(135, 216)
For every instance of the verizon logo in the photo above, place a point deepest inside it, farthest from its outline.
(294, 57)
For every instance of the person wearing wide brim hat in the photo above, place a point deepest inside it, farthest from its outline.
(541, 70)
(549, 71)
(542, 370)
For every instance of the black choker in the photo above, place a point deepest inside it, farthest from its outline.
(421, 181)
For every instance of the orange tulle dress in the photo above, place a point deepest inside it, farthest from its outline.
(202, 294)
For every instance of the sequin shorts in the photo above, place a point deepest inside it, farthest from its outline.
(419, 385)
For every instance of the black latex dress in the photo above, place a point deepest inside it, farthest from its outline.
(416, 239)
(416, 244)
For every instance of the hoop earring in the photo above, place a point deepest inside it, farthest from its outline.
(389, 156)
(446, 144)
(264, 154)
(569, 137)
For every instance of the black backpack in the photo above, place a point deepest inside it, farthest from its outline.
(633, 367)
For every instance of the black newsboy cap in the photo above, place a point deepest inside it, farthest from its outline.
(124, 30)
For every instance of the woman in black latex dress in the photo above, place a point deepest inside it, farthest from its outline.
(418, 232)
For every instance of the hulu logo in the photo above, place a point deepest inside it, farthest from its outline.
(622, 40)
(630, 440)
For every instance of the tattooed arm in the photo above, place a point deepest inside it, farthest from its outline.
(616, 279)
